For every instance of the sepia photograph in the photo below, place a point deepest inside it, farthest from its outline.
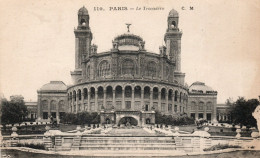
(121, 78)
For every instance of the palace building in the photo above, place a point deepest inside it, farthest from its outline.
(126, 82)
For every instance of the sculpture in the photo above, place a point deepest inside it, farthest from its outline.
(256, 115)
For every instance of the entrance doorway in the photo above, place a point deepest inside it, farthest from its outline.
(128, 121)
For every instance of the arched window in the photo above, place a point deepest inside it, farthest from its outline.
(155, 93)
(53, 105)
(128, 67)
(100, 93)
(82, 22)
(163, 94)
(209, 105)
(137, 92)
(193, 106)
(118, 92)
(79, 94)
(61, 105)
(201, 106)
(45, 105)
(170, 94)
(104, 68)
(128, 92)
(85, 92)
(74, 95)
(146, 92)
(151, 69)
(175, 96)
(173, 25)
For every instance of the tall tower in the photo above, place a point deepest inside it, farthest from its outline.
(172, 39)
(83, 37)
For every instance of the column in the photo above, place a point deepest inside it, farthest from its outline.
(173, 102)
(89, 108)
(123, 99)
(204, 112)
(133, 99)
(96, 100)
(142, 98)
(167, 102)
(77, 102)
(114, 98)
(196, 112)
(82, 101)
(105, 98)
(151, 99)
(57, 112)
(49, 108)
(159, 100)
(39, 109)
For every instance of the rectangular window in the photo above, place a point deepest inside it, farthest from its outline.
(192, 115)
(163, 107)
(155, 105)
(200, 107)
(86, 106)
(128, 104)
(175, 108)
(170, 107)
(209, 117)
(45, 115)
(200, 115)
(53, 114)
(100, 105)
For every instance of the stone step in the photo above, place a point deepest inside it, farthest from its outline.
(121, 142)
(126, 148)
(124, 145)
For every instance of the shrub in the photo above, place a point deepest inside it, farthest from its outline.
(173, 120)
(220, 147)
(81, 118)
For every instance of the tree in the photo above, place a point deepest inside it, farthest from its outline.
(241, 111)
(13, 111)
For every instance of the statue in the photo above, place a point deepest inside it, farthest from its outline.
(128, 27)
(256, 115)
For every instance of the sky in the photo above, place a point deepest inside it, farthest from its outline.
(220, 42)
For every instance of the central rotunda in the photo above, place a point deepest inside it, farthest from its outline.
(127, 82)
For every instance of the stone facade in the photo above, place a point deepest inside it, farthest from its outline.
(52, 101)
(223, 113)
(32, 109)
(126, 78)
(202, 102)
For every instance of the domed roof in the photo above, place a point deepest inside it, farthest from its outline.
(83, 11)
(173, 13)
(200, 87)
(128, 41)
(54, 86)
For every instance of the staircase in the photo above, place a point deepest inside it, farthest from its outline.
(127, 143)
